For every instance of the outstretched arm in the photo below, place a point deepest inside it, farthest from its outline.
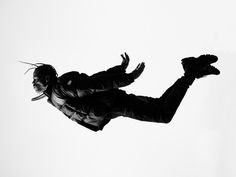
(80, 84)
(115, 77)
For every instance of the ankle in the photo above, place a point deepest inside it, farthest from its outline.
(189, 78)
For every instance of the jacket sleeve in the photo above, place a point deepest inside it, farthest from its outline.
(112, 78)
(75, 84)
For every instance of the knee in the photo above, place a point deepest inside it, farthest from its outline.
(166, 118)
(167, 114)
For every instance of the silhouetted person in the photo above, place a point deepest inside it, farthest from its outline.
(92, 101)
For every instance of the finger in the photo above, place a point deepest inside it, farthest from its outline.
(138, 66)
(127, 56)
(122, 56)
(141, 66)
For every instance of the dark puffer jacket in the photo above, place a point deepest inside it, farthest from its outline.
(88, 99)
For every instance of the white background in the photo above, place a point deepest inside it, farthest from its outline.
(36, 140)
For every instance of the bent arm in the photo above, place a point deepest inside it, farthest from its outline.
(115, 77)
(80, 84)
(75, 84)
(112, 78)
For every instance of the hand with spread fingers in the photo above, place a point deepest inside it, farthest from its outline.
(138, 70)
(125, 61)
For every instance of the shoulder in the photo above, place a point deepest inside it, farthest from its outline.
(72, 76)
(63, 87)
(68, 84)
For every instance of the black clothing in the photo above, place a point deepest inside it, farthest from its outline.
(150, 109)
(92, 101)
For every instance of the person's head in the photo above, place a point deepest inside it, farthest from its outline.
(43, 76)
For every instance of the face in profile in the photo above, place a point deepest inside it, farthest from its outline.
(39, 83)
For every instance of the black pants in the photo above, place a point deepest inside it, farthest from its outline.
(151, 109)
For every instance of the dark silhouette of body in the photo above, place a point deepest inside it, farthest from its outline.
(92, 101)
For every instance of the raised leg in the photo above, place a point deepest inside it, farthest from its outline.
(164, 108)
(151, 109)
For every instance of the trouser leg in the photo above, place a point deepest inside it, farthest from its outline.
(173, 96)
(136, 107)
(152, 109)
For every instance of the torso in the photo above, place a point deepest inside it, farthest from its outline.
(57, 102)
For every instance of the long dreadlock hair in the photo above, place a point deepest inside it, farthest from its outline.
(42, 70)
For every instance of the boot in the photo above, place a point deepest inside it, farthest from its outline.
(200, 67)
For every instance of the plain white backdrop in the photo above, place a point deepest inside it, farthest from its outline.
(36, 140)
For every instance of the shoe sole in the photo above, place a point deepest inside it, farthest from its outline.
(209, 70)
